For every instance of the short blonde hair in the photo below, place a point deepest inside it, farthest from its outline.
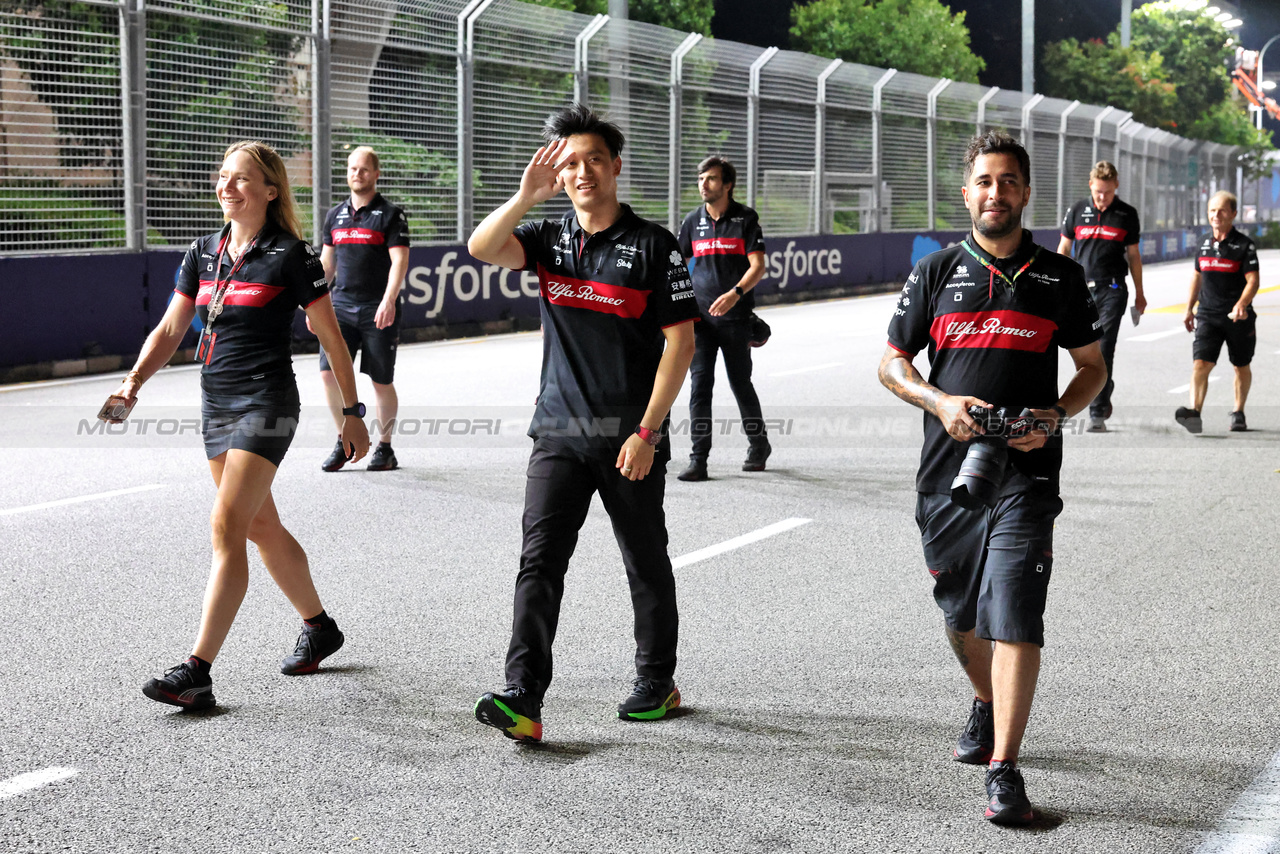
(366, 149)
(1104, 170)
(1228, 197)
(281, 210)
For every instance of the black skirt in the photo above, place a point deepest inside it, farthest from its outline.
(262, 423)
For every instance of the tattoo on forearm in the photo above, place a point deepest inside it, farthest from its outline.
(901, 377)
(957, 646)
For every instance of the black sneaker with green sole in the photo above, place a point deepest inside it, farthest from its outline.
(650, 699)
(514, 711)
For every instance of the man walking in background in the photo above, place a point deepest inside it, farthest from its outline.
(365, 257)
(726, 244)
(1104, 232)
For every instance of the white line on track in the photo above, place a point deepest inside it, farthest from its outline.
(822, 367)
(34, 780)
(1156, 336)
(1252, 825)
(79, 498)
(738, 542)
(1183, 389)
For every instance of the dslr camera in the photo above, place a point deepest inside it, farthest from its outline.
(983, 469)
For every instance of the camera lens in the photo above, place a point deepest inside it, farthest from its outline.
(981, 475)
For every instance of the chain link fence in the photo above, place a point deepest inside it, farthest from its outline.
(114, 115)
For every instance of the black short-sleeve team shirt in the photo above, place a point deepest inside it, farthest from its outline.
(254, 345)
(605, 299)
(719, 250)
(1222, 265)
(994, 342)
(360, 239)
(1101, 237)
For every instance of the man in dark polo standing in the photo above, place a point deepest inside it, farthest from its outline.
(617, 337)
(1104, 232)
(724, 241)
(365, 257)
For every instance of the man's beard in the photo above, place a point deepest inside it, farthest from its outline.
(1013, 225)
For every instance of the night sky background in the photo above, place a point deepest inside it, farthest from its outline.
(995, 29)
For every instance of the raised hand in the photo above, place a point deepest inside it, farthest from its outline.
(541, 179)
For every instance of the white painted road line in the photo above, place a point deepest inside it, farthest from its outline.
(738, 542)
(1252, 825)
(1183, 389)
(34, 780)
(1156, 336)
(806, 370)
(12, 511)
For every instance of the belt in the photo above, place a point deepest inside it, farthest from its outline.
(1093, 283)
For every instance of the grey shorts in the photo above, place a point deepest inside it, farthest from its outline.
(991, 567)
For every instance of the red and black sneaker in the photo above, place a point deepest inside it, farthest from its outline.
(186, 686)
(315, 644)
(1007, 801)
(978, 740)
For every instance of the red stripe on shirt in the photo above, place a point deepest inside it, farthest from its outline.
(593, 296)
(358, 235)
(1100, 232)
(1001, 330)
(1218, 265)
(719, 246)
(240, 293)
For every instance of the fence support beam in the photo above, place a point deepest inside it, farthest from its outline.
(133, 142)
(465, 118)
(321, 124)
(753, 123)
(1097, 131)
(1062, 154)
(931, 150)
(675, 149)
(982, 109)
(581, 66)
(1029, 143)
(877, 152)
(820, 148)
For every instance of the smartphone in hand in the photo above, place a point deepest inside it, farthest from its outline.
(1134, 314)
(116, 409)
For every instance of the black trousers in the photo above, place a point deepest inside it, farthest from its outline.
(733, 338)
(558, 493)
(1111, 303)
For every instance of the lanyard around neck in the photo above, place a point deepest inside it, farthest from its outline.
(997, 272)
(221, 287)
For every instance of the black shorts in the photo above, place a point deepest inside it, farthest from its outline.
(379, 345)
(991, 567)
(1240, 336)
(263, 423)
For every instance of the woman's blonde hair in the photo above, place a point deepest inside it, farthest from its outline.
(281, 210)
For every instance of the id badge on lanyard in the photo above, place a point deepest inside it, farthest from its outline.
(208, 338)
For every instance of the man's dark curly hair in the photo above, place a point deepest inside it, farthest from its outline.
(996, 142)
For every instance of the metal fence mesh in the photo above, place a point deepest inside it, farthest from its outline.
(95, 156)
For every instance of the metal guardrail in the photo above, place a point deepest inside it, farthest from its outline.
(113, 114)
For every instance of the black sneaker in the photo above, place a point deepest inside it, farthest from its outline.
(514, 711)
(979, 737)
(183, 686)
(315, 644)
(756, 455)
(383, 459)
(1237, 422)
(336, 460)
(650, 699)
(1097, 425)
(696, 471)
(1189, 418)
(1007, 796)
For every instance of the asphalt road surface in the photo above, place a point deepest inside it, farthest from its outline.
(821, 698)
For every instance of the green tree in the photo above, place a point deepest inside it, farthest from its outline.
(1196, 53)
(691, 16)
(1098, 72)
(921, 36)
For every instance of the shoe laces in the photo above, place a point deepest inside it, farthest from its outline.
(303, 646)
(979, 719)
(1006, 779)
(643, 685)
(180, 673)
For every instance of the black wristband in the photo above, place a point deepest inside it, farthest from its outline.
(739, 291)
(1062, 413)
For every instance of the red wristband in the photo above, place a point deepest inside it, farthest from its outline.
(651, 437)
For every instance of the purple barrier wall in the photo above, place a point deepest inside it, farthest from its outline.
(57, 308)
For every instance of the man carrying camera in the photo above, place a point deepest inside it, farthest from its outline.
(993, 311)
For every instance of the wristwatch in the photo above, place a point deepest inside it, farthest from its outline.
(358, 410)
(739, 291)
(1062, 413)
(651, 437)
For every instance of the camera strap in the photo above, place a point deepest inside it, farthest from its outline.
(996, 271)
